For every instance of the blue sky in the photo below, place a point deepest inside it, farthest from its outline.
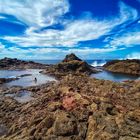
(92, 29)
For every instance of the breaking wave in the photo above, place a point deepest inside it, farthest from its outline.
(98, 63)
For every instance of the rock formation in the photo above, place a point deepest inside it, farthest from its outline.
(71, 57)
(12, 64)
(6, 80)
(124, 66)
(70, 65)
(76, 108)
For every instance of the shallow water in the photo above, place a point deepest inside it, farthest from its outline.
(116, 77)
(3, 130)
(14, 73)
(27, 80)
(21, 97)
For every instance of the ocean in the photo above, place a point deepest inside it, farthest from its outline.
(94, 63)
(103, 74)
(106, 75)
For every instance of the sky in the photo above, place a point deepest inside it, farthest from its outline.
(50, 29)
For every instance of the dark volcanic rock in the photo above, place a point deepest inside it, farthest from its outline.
(124, 66)
(9, 63)
(71, 57)
(6, 80)
(70, 65)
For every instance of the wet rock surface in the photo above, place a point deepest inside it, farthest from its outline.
(6, 80)
(76, 108)
(124, 66)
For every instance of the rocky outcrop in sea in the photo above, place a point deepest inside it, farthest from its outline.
(70, 65)
(124, 66)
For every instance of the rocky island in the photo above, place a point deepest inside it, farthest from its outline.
(70, 65)
(124, 66)
(75, 108)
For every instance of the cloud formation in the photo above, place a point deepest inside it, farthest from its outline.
(74, 30)
(39, 38)
(133, 56)
(38, 13)
(128, 39)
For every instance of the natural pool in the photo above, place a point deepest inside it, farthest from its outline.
(116, 77)
(21, 97)
(25, 81)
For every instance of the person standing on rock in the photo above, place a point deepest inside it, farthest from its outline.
(35, 79)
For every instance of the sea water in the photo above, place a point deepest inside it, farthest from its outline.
(25, 81)
(103, 74)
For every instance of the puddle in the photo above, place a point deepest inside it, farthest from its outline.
(26, 77)
(3, 130)
(116, 77)
(21, 97)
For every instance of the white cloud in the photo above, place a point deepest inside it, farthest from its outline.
(129, 39)
(74, 32)
(35, 12)
(127, 12)
(46, 53)
(135, 55)
(1, 47)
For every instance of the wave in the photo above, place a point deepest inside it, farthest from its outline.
(98, 63)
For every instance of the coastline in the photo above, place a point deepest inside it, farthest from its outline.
(77, 107)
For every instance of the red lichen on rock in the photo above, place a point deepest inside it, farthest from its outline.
(69, 102)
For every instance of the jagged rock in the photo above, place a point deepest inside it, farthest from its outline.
(124, 66)
(71, 57)
(70, 65)
(12, 64)
(64, 125)
(76, 108)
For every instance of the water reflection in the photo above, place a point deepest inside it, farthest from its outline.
(106, 75)
(28, 80)
(21, 97)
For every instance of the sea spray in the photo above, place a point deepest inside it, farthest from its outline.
(97, 63)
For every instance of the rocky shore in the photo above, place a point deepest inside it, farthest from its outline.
(124, 66)
(75, 108)
(13, 64)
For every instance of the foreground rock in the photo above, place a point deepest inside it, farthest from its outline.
(124, 66)
(12, 64)
(76, 108)
(70, 65)
(6, 80)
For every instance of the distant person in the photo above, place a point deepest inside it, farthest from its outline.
(35, 79)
